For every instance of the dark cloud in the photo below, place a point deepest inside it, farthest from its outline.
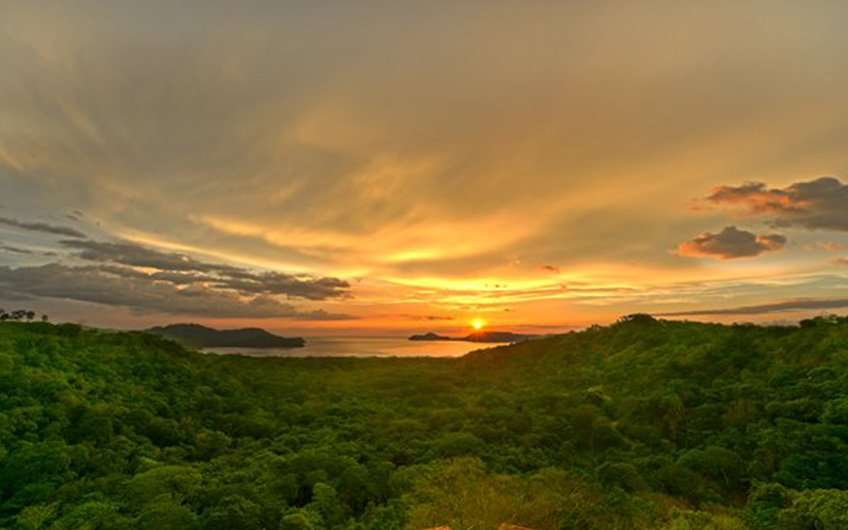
(147, 280)
(731, 243)
(15, 250)
(817, 204)
(551, 268)
(75, 215)
(842, 261)
(135, 255)
(44, 228)
(181, 269)
(777, 307)
(141, 293)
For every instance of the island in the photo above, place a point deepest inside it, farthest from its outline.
(430, 337)
(478, 336)
(197, 336)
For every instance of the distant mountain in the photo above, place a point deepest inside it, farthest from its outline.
(198, 336)
(479, 336)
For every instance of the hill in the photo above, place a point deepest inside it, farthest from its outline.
(197, 336)
(639, 425)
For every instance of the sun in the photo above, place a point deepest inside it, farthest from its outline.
(478, 324)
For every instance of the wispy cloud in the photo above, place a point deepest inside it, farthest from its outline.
(777, 307)
(15, 250)
(44, 228)
(431, 318)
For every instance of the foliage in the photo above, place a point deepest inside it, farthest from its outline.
(642, 424)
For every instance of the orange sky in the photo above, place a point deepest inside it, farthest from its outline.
(541, 166)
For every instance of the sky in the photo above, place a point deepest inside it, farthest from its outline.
(370, 167)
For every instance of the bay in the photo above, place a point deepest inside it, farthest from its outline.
(362, 347)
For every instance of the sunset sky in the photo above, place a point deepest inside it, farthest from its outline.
(387, 167)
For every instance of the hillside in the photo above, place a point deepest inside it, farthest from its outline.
(641, 425)
(197, 336)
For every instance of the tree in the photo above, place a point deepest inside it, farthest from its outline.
(300, 519)
(816, 510)
(719, 464)
(36, 516)
(638, 319)
(326, 503)
(623, 475)
(176, 482)
(458, 444)
(234, 513)
(166, 514)
(462, 494)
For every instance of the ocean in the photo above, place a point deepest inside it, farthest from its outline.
(361, 347)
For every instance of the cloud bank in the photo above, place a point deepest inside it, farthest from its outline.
(146, 280)
(181, 269)
(816, 204)
(141, 293)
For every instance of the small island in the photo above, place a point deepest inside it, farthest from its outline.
(478, 336)
(430, 337)
(197, 336)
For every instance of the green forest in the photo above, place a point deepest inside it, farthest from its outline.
(643, 424)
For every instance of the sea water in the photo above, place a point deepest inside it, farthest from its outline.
(362, 347)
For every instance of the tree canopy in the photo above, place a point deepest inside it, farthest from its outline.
(641, 424)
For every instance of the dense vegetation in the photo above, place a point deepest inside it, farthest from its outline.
(643, 424)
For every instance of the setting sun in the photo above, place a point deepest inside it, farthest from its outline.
(478, 324)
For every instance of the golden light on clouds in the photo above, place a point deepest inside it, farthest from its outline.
(535, 166)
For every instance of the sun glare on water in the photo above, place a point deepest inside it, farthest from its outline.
(478, 324)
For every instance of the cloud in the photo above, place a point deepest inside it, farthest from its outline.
(181, 269)
(147, 280)
(551, 268)
(134, 255)
(75, 215)
(817, 204)
(141, 293)
(432, 318)
(44, 228)
(15, 250)
(371, 165)
(777, 307)
(731, 243)
(841, 261)
(827, 246)
(340, 134)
